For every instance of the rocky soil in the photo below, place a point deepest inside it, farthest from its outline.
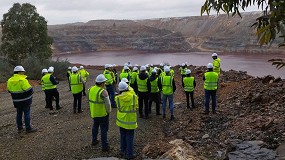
(249, 123)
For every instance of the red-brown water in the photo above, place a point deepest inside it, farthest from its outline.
(254, 64)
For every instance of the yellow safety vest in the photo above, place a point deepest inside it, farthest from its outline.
(188, 84)
(211, 81)
(109, 77)
(154, 86)
(96, 102)
(42, 83)
(142, 84)
(47, 83)
(124, 75)
(127, 103)
(172, 72)
(167, 88)
(84, 74)
(216, 65)
(75, 83)
(183, 71)
(133, 77)
(20, 88)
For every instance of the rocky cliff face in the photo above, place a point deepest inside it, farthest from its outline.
(200, 33)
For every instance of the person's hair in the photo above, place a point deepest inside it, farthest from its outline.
(99, 83)
(210, 69)
(17, 72)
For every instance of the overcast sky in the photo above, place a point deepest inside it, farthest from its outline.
(69, 11)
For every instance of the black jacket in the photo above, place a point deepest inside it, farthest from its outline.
(143, 76)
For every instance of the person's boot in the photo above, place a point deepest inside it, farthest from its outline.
(172, 117)
(31, 130)
(58, 107)
(164, 116)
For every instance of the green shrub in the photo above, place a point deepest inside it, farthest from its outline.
(6, 70)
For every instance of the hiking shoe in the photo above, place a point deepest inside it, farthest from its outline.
(172, 117)
(74, 111)
(20, 130)
(31, 130)
(164, 116)
(106, 149)
(95, 143)
(58, 108)
(80, 111)
(206, 112)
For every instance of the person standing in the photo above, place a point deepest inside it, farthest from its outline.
(22, 94)
(127, 104)
(100, 108)
(216, 63)
(188, 85)
(143, 84)
(84, 74)
(68, 75)
(50, 88)
(109, 84)
(77, 84)
(133, 79)
(167, 85)
(154, 92)
(44, 72)
(125, 74)
(210, 85)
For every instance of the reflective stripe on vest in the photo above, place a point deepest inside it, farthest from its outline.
(47, 83)
(142, 84)
(154, 86)
(75, 83)
(188, 84)
(132, 106)
(211, 81)
(166, 82)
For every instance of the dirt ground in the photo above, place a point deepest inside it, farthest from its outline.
(64, 135)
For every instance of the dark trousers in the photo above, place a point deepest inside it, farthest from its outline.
(213, 95)
(154, 97)
(77, 101)
(69, 84)
(143, 99)
(103, 123)
(84, 93)
(127, 142)
(135, 88)
(27, 117)
(111, 92)
(46, 100)
(192, 99)
(50, 94)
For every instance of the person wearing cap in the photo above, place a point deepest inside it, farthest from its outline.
(77, 84)
(143, 84)
(84, 74)
(22, 94)
(154, 92)
(167, 85)
(100, 108)
(134, 75)
(50, 88)
(130, 88)
(216, 63)
(68, 75)
(127, 104)
(188, 85)
(210, 86)
(44, 72)
(109, 84)
(125, 74)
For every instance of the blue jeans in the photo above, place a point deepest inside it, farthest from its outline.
(27, 116)
(170, 100)
(103, 123)
(127, 142)
(111, 92)
(208, 94)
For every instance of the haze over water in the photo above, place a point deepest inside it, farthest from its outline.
(254, 64)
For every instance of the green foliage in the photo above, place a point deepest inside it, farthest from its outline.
(268, 25)
(24, 33)
(5, 70)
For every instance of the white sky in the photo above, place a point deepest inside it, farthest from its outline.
(70, 11)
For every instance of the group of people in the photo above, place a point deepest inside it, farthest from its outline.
(138, 87)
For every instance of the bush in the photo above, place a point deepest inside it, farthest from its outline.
(34, 68)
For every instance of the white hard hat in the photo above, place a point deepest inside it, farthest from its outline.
(81, 67)
(153, 71)
(214, 55)
(125, 64)
(74, 69)
(19, 69)
(135, 68)
(183, 64)
(126, 67)
(147, 65)
(110, 65)
(166, 69)
(50, 69)
(143, 68)
(188, 71)
(69, 67)
(123, 86)
(136, 65)
(125, 80)
(151, 65)
(107, 65)
(44, 70)
(161, 64)
(209, 65)
(114, 65)
(100, 78)
(155, 68)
